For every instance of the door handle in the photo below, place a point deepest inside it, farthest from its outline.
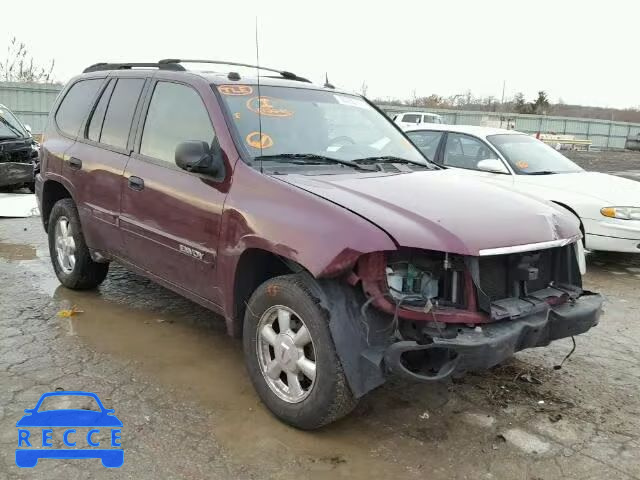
(75, 163)
(136, 183)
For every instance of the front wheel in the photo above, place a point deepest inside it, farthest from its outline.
(291, 357)
(69, 252)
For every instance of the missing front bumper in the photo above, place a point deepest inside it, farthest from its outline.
(486, 346)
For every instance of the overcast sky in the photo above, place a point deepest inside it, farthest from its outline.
(583, 52)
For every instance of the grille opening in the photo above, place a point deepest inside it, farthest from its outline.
(500, 277)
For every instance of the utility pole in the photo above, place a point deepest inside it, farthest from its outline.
(504, 84)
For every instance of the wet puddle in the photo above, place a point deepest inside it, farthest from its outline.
(187, 349)
(16, 252)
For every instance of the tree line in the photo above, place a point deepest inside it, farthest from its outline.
(540, 105)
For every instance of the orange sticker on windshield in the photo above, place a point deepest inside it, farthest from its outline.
(235, 89)
(256, 140)
(265, 106)
(522, 165)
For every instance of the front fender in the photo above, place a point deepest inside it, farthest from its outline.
(265, 213)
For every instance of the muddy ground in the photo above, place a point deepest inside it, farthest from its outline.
(179, 386)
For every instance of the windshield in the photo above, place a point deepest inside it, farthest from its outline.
(298, 121)
(530, 156)
(10, 127)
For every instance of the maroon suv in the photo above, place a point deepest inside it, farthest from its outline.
(306, 218)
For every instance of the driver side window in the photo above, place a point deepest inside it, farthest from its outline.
(176, 114)
(463, 151)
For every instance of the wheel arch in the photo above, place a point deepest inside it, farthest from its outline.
(255, 266)
(52, 192)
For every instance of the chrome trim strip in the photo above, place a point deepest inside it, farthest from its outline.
(529, 247)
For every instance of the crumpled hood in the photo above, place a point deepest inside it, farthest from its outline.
(441, 210)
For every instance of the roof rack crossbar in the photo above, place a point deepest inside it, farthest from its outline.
(282, 73)
(97, 67)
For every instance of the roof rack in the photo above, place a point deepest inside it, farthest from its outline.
(97, 67)
(282, 73)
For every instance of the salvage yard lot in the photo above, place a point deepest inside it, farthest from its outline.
(179, 386)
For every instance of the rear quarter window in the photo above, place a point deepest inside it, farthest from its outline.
(122, 106)
(76, 105)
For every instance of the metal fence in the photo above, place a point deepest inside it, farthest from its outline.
(602, 133)
(32, 102)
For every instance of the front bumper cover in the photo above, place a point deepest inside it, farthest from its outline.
(486, 346)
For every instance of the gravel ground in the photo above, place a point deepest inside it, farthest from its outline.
(178, 384)
(625, 163)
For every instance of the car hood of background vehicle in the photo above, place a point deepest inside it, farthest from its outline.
(613, 191)
(441, 210)
(69, 418)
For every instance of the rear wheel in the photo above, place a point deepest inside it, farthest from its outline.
(290, 355)
(69, 253)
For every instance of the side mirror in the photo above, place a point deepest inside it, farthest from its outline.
(492, 165)
(195, 156)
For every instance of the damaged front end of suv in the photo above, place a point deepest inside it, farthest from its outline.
(18, 152)
(427, 315)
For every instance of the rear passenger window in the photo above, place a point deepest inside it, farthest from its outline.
(76, 104)
(117, 120)
(95, 125)
(176, 114)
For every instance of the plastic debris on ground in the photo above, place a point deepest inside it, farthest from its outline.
(18, 205)
(66, 313)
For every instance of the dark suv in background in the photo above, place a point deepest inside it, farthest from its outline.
(18, 152)
(306, 218)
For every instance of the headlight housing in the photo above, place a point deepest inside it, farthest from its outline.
(623, 213)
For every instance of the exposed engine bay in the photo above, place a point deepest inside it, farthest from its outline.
(18, 152)
(438, 313)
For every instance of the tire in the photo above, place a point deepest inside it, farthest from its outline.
(83, 273)
(328, 396)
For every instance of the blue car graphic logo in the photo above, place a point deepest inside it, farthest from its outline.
(36, 428)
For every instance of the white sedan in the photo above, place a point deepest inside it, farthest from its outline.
(608, 206)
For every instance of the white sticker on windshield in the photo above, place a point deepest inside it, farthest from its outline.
(380, 144)
(352, 101)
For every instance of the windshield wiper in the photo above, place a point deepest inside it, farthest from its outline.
(11, 127)
(310, 159)
(391, 159)
(542, 172)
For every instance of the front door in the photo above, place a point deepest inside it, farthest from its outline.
(170, 218)
(464, 153)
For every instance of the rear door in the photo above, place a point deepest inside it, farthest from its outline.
(97, 161)
(171, 218)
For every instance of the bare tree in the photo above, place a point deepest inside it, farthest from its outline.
(19, 66)
(520, 105)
